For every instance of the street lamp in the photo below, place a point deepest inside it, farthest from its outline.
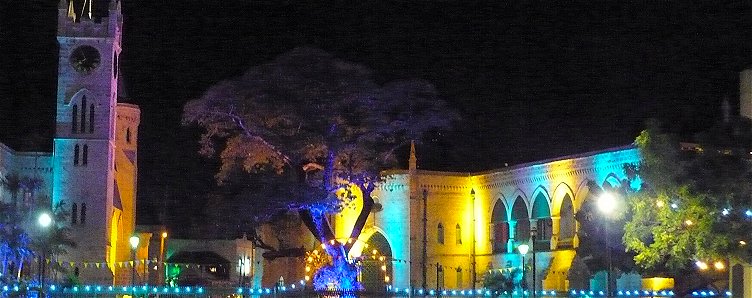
(607, 205)
(44, 220)
(533, 236)
(523, 249)
(161, 258)
(134, 245)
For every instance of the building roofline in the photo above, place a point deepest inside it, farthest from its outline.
(513, 167)
(24, 153)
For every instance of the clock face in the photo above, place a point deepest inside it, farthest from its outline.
(85, 59)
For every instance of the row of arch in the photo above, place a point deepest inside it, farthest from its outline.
(554, 219)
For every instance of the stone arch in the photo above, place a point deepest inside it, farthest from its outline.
(518, 193)
(583, 191)
(561, 190)
(73, 97)
(520, 219)
(540, 215)
(567, 223)
(499, 226)
(611, 181)
(373, 277)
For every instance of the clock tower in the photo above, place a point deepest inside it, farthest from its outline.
(95, 142)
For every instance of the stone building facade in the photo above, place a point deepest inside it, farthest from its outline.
(92, 168)
(469, 223)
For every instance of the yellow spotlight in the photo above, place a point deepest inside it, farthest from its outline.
(349, 240)
(386, 278)
(688, 222)
(659, 203)
(381, 258)
(307, 269)
(164, 234)
(323, 246)
(742, 242)
(316, 252)
(719, 265)
(331, 242)
(307, 278)
(383, 267)
(310, 259)
(374, 251)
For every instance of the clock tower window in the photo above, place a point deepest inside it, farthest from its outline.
(74, 121)
(83, 114)
(91, 118)
(85, 155)
(75, 155)
(74, 214)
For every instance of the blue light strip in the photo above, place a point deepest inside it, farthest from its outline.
(395, 291)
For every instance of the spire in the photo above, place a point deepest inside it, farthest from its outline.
(413, 163)
(71, 11)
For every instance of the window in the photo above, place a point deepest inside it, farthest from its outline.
(83, 213)
(91, 118)
(75, 155)
(440, 234)
(74, 119)
(128, 135)
(115, 65)
(459, 278)
(83, 114)
(85, 155)
(458, 234)
(74, 214)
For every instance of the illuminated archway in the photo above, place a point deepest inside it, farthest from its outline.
(499, 227)
(567, 223)
(541, 213)
(521, 220)
(376, 269)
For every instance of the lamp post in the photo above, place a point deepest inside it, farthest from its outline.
(134, 245)
(44, 221)
(607, 205)
(523, 249)
(160, 266)
(533, 236)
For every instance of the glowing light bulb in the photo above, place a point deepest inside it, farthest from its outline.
(719, 265)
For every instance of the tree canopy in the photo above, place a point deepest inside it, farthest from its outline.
(308, 124)
(693, 204)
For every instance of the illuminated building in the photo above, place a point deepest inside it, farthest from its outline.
(474, 221)
(93, 164)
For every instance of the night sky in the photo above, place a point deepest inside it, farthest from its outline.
(533, 81)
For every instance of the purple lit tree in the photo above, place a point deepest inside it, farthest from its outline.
(322, 127)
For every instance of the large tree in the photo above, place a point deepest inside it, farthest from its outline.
(324, 127)
(693, 205)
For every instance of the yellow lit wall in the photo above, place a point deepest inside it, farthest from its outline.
(657, 283)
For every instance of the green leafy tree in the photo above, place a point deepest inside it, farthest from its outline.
(693, 205)
(307, 129)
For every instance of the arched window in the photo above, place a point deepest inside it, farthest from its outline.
(91, 118)
(459, 278)
(75, 155)
(74, 214)
(83, 114)
(440, 233)
(85, 155)
(458, 234)
(83, 213)
(128, 135)
(74, 119)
